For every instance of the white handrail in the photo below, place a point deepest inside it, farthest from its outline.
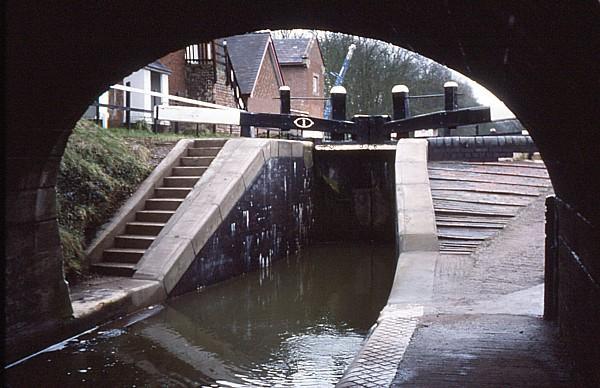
(174, 98)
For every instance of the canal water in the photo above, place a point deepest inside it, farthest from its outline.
(298, 323)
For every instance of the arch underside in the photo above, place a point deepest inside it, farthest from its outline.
(540, 60)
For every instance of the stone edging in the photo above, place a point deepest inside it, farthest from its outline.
(377, 361)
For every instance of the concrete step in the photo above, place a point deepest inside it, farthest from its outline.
(188, 171)
(180, 181)
(154, 215)
(209, 143)
(144, 228)
(197, 161)
(122, 255)
(133, 241)
(171, 192)
(114, 269)
(205, 151)
(162, 203)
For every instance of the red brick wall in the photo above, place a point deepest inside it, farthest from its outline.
(176, 62)
(266, 88)
(223, 95)
(299, 78)
(198, 82)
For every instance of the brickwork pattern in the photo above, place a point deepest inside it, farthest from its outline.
(579, 288)
(300, 80)
(270, 221)
(266, 89)
(377, 363)
(484, 351)
(177, 80)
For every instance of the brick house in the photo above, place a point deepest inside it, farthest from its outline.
(302, 65)
(257, 68)
(204, 72)
(246, 71)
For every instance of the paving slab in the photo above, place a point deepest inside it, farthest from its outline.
(480, 321)
(106, 298)
(484, 350)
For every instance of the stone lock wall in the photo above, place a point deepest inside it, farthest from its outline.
(270, 221)
(354, 195)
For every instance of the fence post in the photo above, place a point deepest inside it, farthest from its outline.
(155, 121)
(450, 101)
(245, 131)
(338, 108)
(98, 111)
(128, 106)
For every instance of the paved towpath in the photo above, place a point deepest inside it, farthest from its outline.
(481, 325)
(486, 327)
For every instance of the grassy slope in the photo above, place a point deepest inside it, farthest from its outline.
(98, 172)
(100, 169)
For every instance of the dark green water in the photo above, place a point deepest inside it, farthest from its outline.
(298, 323)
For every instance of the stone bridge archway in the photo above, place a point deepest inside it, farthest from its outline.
(540, 60)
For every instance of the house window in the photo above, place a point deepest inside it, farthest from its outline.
(155, 87)
(199, 53)
(315, 85)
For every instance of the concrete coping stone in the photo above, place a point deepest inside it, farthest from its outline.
(412, 289)
(416, 227)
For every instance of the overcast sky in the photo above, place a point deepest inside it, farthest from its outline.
(498, 110)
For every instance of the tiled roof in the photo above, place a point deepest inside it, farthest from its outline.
(292, 51)
(159, 67)
(246, 53)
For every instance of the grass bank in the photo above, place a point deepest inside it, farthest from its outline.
(99, 171)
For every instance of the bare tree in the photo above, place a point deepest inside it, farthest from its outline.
(377, 66)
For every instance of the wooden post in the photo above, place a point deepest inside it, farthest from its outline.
(338, 108)
(128, 106)
(97, 111)
(450, 101)
(400, 102)
(400, 105)
(285, 100)
(285, 106)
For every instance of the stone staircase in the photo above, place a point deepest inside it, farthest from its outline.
(129, 247)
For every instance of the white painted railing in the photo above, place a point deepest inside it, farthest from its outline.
(171, 97)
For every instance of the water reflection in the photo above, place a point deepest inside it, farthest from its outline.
(298, 323)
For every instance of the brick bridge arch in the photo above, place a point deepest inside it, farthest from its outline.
(541, 60)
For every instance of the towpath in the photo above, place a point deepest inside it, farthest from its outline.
(482, 326)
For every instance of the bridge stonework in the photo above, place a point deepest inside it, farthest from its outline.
(507, 47)
(576, 288)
